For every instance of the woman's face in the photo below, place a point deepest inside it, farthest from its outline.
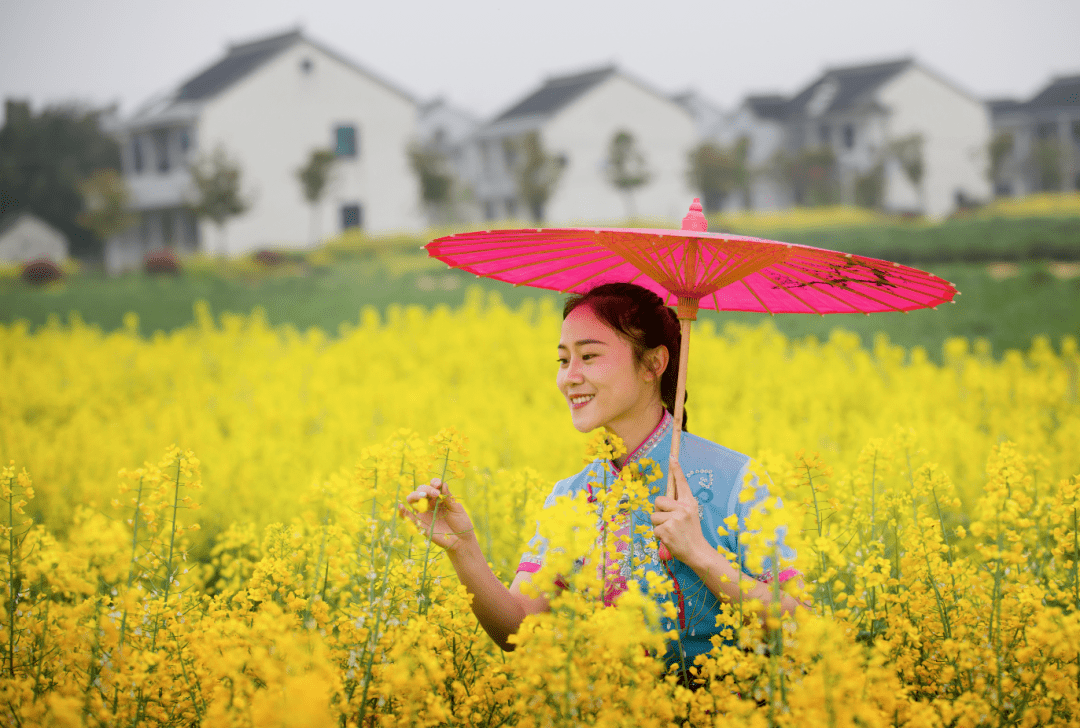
(599, 378)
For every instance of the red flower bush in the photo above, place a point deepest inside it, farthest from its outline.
(162, 262)
(40, 271)
(270, 258)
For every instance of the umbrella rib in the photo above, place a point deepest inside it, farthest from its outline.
(571, 266)
(569, 247)
(492, 274)
(594, 274)
(903, 272)
(792, 294)
(858, 293)
(864, 295)
(803, 302)
(755, 295)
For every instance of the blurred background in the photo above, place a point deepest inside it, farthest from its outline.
(296, 156)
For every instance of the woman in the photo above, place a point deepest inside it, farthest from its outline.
(618, 364)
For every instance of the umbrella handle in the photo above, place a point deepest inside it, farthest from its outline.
(676, 434)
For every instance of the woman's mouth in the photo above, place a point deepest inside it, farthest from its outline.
(580, 400)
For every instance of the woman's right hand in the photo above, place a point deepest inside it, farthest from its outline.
(444, 521)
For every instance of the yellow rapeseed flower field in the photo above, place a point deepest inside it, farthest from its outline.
(199, 529)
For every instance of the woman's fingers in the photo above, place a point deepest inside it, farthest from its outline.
(681, 486)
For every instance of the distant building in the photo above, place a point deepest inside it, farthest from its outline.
(1037, 142)
(761, 120)
(25, 237)
(862, 112)
(270, 103)
(446, 130)
(898, 137)
(576, 118)
(707, 115)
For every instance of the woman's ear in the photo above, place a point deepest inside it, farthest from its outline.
(657, 361)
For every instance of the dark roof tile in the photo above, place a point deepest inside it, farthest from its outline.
(769, 106)
(1062, 91)
(237, 63)
(556, 93)
(852, 85)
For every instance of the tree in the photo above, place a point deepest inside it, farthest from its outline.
(106, 209)
(536, 172)
(811, 172)
(1001, 146)
(314, 178)
(870, 187)
(626, 167)
(436, 181)
(44, 157)
(1048, 164)
(217, 186)
(716, 171)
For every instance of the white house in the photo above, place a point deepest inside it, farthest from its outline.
(862, 112)
(576, 118)
(268, 104)
(1039, 140)
(25, 237)
(446, 130)
(761, 120)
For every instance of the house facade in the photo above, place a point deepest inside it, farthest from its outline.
(267, 105)
(1037, 142)
(893, 135)
(576, 118)
(761, 121)
(444, 130)
(897, 125)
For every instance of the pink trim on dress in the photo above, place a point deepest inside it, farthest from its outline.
(530, 567)
(649, 442)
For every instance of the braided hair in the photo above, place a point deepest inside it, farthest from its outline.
(642, 318)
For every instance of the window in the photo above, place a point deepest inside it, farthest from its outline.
(346, 141)
(825, 133)
(1076, 130)
(849, 136)
(511, 207)
(185, 140)
(136, 154)
(306, 65)
(351, 216)
(1047, 130)
(489, 210)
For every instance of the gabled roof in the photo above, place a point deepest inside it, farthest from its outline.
(1062, 91)
(556, 93)
(768, 106)
(241, 60)
(839, 89)
(244, 58)
(1003, 106)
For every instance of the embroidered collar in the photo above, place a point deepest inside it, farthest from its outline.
(650, 443)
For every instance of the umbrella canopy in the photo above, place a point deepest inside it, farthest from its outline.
(692, 268)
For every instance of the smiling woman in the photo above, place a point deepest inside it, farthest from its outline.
(617, 358)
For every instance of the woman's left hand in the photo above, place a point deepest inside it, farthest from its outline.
(677, 523)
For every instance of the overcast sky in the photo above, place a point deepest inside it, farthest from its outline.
(485, 54)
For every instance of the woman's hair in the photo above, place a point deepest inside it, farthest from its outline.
(642, 318)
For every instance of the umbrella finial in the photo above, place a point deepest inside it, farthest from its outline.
(695, 219)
